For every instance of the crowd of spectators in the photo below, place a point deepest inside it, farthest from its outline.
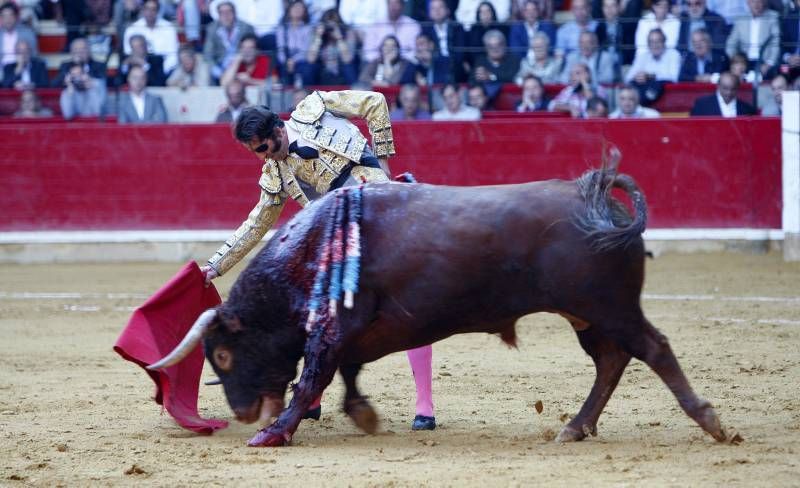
(468, 49)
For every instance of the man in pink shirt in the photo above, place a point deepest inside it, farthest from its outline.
(404, 28)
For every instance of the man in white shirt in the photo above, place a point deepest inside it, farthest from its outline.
(724, 102)
(659, 18)
(657, 63)
(161, 36)
(454, 109)
(363, 13)
(628, 106)
(404, 28)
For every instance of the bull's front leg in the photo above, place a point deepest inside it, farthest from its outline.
(320, 364)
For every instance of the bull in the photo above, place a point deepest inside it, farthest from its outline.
(438, 261)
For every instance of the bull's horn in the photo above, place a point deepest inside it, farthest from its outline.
(188, 343)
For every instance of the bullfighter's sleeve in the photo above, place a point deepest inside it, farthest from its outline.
(252, 230)
(370, 106)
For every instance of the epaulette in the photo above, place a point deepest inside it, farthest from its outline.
(310, 109)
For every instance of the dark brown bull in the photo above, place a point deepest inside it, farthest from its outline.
(439, 261)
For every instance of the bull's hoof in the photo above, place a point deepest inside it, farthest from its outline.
(313, 414)
(707, 418)
(571, 434)
(362, 414)
(266, 438)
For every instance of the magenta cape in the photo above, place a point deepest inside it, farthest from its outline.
(156, 327)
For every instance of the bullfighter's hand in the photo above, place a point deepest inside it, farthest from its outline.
(209, 274)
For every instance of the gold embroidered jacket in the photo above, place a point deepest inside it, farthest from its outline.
(320, 119)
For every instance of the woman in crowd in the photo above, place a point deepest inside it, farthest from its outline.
(293, 37)
(388, 68)
(574, 96)
(533, 98)
(332, 52)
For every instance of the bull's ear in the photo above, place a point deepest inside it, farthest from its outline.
(230, 321)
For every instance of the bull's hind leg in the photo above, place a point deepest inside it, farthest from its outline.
(356, 405)
(652, 347)
(610, 361)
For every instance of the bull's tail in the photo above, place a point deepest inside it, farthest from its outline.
(606, 221)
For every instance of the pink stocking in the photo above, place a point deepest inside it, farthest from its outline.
(420, 361)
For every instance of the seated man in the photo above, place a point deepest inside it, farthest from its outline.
(79, 55)
(161, 36)
(136, 106)
(237, 101)
(521, 33)
(698, 16)
(83, 95)
(454, 108)
(498, 65)
(191, 70)
(28, 71)
(774, 105)
(408, 105)
(702, 63)
(316, 151)
(628, 106)
(153, 64)
(757, 36)
(600, 63)
(568, 35)
(724, 102)
(430, 68)
(653, 67)
(222, 38)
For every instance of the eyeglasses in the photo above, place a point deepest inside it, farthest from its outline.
(261, 148)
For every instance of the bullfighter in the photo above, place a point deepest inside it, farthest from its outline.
(313, 152)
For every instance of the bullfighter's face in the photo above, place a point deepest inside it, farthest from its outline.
(254, 368)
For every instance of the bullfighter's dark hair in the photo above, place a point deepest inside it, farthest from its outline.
(258, 121)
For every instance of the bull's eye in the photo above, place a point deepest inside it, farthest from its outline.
(223, 358)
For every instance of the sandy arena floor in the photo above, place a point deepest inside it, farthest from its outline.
(72, 413)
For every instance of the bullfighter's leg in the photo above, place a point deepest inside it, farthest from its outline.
(420, 360)
(610, 362)
(320, 363)
(356, 405)
(652, 347)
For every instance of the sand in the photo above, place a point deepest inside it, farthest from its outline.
(73, 413)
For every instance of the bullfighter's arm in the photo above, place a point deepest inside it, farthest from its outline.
(370, 106)
(252, 230)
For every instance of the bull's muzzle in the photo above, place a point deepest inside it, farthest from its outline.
(262, 411)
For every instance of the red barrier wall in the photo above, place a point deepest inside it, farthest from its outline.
(694, 172)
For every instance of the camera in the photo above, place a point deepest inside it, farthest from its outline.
(77, 82)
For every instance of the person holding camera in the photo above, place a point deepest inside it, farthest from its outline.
(332, 51)
(574, 97)
(83, 95)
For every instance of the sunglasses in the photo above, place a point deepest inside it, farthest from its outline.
(261, 148)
